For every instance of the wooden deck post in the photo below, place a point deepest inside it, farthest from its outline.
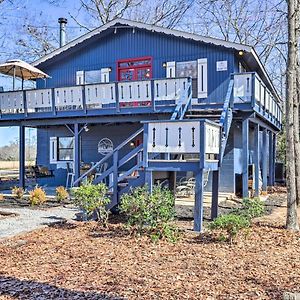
(199, 187)
(264, 161)
(215, 194)
(22, 156)
(76, 151)
(245, 138)
(256, 160)
(149, 180)
(271, 159)
(198, 208)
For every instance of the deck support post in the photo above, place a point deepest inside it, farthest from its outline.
(149, 180)
(256, 160)
(76, 151)
(199, 185)
(272, 142)
(198, 208)
(264, 161)
(245, 139)
(22, 156)
(215, 194)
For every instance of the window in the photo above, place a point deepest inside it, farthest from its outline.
(92, 76)
(134, 69)
(189, 69)
(65, 148)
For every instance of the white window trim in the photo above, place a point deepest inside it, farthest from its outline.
(79, 77)
(171, 69)
(202, 78)
(105, 75)
(53, 150)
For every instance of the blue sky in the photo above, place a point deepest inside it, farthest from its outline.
(51, 13)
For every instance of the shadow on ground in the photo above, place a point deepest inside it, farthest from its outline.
(27, 289)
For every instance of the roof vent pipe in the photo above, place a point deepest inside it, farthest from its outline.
(62, 31)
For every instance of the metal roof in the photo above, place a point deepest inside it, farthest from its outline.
(250, 54)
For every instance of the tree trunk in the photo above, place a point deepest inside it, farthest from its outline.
(297, 136)
(291, 95)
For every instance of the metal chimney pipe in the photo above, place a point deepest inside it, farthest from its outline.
(62, 31)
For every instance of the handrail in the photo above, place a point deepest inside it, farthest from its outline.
(226, 119)
(107, 156)
(184, 96)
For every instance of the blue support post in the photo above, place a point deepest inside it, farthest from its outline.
(149, 180)
(76, 151)
(198, 208)
(117, 97)
(264, 161)
(274, 156)
(215, 194)
(256, 160)
(115, 177)
(271, 159)
(22, 156)
(245, 137)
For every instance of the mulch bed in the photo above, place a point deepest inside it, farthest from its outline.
(81, 261)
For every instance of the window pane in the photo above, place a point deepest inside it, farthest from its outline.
(186, 69)
(65, 142)
(65, 154)
(93, 76)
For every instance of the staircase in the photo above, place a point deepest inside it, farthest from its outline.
(128, 171)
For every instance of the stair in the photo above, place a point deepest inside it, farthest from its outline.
(121, 180)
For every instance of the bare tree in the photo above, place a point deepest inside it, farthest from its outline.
(260, 24)
(291, 95)
(167, 13)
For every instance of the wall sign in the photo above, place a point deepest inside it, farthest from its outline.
(105, 146)
(222, 65)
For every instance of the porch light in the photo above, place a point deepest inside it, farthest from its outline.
(109, 69)
(85, 127)
(241, 53)
(164, 64)
(132, 144)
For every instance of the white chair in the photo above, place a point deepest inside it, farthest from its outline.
(70, 175)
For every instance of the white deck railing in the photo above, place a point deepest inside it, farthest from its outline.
(95, 96)
(249, 88)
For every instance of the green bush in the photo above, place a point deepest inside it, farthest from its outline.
(231, 224)
(92, 199)
(151, 213)
(251, 208)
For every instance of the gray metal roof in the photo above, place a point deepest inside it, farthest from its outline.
(250, 55)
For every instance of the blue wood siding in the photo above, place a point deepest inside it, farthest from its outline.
(104, 51)
(89, 148)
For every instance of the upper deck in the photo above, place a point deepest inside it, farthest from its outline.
(133, 97)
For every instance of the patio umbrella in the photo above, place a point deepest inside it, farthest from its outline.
(21, 69)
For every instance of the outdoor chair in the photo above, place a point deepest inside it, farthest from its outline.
(70, 175)
(100, 170)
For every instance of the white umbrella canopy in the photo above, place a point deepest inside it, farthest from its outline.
(21, 69)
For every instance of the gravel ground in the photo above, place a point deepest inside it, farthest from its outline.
(31, 219)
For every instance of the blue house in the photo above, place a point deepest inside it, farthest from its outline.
(131, 103)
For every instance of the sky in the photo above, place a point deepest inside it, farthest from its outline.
(52, 13)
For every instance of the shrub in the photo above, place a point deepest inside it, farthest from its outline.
(37, 196)
(92, 198)
(151, 213)
(252, 208)
(61, 194)
(18, 192)
(231, 224)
